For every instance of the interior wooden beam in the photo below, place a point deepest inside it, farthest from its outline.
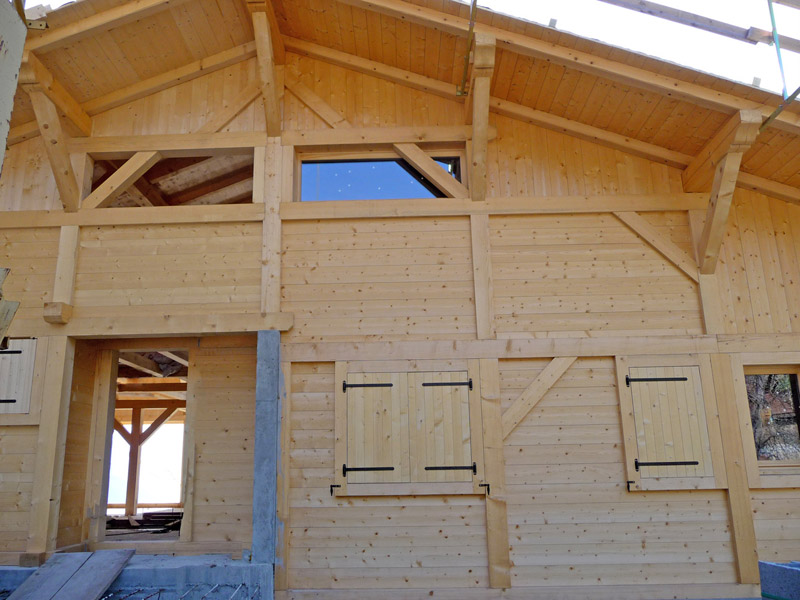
(140, 363)
(97, 23)
(482, 69)
(431, 170)
(579, 60)
(181, 360)
(134, 460)
(33, 72)
(150, 192)
(120, 429)
(676, 255)
(270, 87)
(729, 153)
(265, 6)
(534, 392)
(212, 185)
(151, 384)
(56, 147)
(159, 421)
(120, 180)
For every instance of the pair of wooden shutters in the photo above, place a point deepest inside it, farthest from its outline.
(408, 427)
(668, 424)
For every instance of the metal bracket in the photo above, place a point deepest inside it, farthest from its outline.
(346, 385)
(473, 468)
(668, 463)
(10, 351)
(447, 383)
(36, 24)
(629, 380)
(346, 469)
(334, 485)
(487, 486)
(628, 484)
(7, 400)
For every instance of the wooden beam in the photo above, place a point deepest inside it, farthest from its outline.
(739, 499)
(268, 168)
(98, 23)
(120, 429)
(175, 356)
(99, 451)
(495, 470)
(170, 144)
(140, 363)
(270, 88)
(51, 445)
(308, 97)
(676, 255)
(59, 309)
(482, 277)
(536, 390)
(56, 147)
(482, 69)
(211, 185)
(34, 73)
(265, 6)
(159, 421)
(710, 298)
(134, 460)
(151, 194)
(583, 61)
(229, 111)
(730, 152)
(431, 170)
(768, 187)
(372, 136)
(120, 180)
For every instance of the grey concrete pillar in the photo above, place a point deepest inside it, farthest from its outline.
(267, 446)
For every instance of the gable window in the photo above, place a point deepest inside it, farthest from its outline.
(407, 432)
(774, 403)
(374, 178)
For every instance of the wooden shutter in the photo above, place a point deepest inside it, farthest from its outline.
(16, 377)
(666, 421)
(377, 427)
(440, 426)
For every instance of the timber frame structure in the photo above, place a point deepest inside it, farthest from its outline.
(615, 215)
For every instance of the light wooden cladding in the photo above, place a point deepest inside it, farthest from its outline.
(16, 377)
(482, 69)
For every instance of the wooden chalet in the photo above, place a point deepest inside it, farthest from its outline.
(529, 384)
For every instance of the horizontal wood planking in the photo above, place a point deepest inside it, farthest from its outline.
(31, 255)
(223, 474)
(402, 542)
(777, 524)
(17, 454)
(569, 449)
(574, 274)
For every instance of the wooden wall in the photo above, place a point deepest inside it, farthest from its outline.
(759, 269)
(17, 457)
(387, 542)
(76, 456)
(221, 394)
(571, 520)
(777, 523)
(568, 275)
(385, 279)
(147, 269)
(31, 256)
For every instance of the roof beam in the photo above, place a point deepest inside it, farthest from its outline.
(746, 124)
(181, 360)
(581, 61)
(98, 23)
(150, 193)
(270, 87)
(34, 74)
(144, 88)
(265, 6)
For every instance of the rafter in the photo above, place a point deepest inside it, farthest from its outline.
(265, 6)
(270, 86)
(181, 360)
(140, 363)
(744, 133)
(98, 23)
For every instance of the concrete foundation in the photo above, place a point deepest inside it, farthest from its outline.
(780, 581)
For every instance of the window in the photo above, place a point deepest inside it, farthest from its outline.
(672, 439)
(420, 431)
(775, 414)
(370, 179)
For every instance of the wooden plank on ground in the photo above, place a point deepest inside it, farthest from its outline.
(95, 575)
(48, 579)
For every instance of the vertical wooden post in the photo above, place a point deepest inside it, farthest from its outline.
(482, 68)
(187, 471)
(271, 182)
(710, 302)
(495, 469)
(102, 426)
(741, 509)
(50, 446)
(134, 456)
(482, 277)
